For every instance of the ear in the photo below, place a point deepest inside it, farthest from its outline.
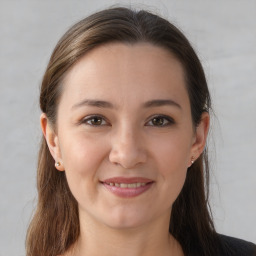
(200, 137)
(52, 140)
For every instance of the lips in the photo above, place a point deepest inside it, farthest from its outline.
(127, 187)
(127, 180)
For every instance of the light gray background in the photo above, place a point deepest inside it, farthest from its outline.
(223, 33)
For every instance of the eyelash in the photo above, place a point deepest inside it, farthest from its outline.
(167, 120)
(90, 118)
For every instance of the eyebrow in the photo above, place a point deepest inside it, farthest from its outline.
(106, 104)
(160, 102)
(93, 103)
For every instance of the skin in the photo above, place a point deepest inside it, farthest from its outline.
(127, 142)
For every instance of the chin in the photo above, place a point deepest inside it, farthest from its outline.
(125, 220)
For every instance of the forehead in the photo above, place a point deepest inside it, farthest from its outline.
(124, 73)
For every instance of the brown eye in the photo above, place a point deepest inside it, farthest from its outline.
(95, 121)
(160, 121)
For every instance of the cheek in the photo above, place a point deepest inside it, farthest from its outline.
(82, 159)
(82, 154)
(172, 156)
(173, 153)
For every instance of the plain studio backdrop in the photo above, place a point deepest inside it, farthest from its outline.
(223, 34)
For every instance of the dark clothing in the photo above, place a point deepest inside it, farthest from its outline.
(236, 247)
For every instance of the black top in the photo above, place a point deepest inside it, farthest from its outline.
(236, 247)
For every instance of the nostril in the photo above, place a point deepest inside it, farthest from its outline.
(127, 152)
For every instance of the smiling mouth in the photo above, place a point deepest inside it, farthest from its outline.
(127, 187)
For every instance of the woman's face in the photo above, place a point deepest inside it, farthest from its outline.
(124, 133)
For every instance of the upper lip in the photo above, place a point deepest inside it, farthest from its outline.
(127, 180)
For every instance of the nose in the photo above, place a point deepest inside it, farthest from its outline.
(128, 149)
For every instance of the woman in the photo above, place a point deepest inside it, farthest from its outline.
(123, 165)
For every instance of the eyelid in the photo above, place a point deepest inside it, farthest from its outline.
(168, 118)
(88, 118)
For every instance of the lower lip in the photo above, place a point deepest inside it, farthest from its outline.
(128, 192)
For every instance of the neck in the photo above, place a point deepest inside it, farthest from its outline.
(149, 240)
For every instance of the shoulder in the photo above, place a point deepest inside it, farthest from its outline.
(236, 247)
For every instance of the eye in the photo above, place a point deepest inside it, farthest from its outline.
(160, 121)
(94, 121)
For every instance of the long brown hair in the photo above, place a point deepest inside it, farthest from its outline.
(55, 225)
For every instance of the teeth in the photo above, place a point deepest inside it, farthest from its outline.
(124, 185)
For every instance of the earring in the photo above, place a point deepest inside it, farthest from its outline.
(192, 160)
(57, 164)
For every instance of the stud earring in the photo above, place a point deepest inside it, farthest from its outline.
(57, 164)
(192, 160)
